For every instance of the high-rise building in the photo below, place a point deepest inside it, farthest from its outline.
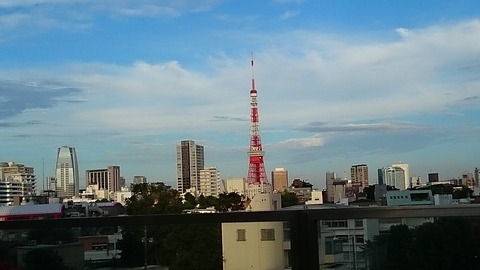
(257, 181)
(336, 188)
(476, 175)
(433, 177)
(209, 182)
(16, 180)
(468, 179)
(380, 181)
(190, 160)
(359, 174)
(397, 175)
(66, 173)
(139, 179)
(105, 179)
(279, 179)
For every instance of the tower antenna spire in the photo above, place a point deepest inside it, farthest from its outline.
(257, 178)
(253, 75)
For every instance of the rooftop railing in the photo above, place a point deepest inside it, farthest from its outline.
(304, 229)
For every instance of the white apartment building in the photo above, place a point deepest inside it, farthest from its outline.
(16, 180)
(209, 182)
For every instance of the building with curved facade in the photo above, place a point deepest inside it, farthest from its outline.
(66, 173)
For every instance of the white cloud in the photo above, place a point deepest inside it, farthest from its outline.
(289, 14)
(13, 20)
(148, 10)
(321, 79)
(307, 142)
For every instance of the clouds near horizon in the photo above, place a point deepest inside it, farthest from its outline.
(320, 93)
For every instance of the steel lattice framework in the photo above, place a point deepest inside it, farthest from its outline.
(256, 167)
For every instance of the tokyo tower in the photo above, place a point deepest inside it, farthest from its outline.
(257, 178)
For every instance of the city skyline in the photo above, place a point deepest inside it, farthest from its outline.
(339, 82)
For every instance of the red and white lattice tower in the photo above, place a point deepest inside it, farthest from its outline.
(257, 178)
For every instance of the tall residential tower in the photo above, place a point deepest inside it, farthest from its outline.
(66, 173)
(359, 174)
(190, 160)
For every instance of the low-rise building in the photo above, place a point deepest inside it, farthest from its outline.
(409, 197)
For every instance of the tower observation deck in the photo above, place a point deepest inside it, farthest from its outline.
(257, 178)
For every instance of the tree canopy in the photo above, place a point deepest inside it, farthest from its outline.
(153, 198)
(444, 244)
(193, 246)
(289, 198)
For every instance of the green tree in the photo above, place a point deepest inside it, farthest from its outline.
(399, 243)
(51, 236)
(462, 193)
(176, 246)
(229, 202)
(190, 201)
(444, 244)
(200, 246)
(153, 198)
(43, 258)
(289, 198)
(209, 201)
(148, 199)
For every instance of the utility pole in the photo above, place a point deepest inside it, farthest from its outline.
(145, 241)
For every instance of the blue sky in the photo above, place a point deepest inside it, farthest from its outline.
(340, 83)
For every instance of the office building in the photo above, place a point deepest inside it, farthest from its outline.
(16, 181)
(139, 179)
(105, 179)
(397, 175)
(476, 175)
(468, 179)
(279, 179)
(209, 182)
(359, 174)
(190, 160)
(433, 177)
(66, 173)
(416, 181)
(235, 184)
(337, 188)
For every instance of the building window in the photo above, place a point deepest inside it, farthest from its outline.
(358, 223)
(241, 235)
(333, 246)
(267, 234)
(286, 231)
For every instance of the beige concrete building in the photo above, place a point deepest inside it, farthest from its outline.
(254, 245)
(279, 179)
(106, 179)
(209, 182)
(359, 173)
(235, 184)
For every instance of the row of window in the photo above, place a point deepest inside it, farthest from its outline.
(341, 223)
(265, 235)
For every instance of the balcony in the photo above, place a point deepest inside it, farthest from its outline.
(305, 238)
